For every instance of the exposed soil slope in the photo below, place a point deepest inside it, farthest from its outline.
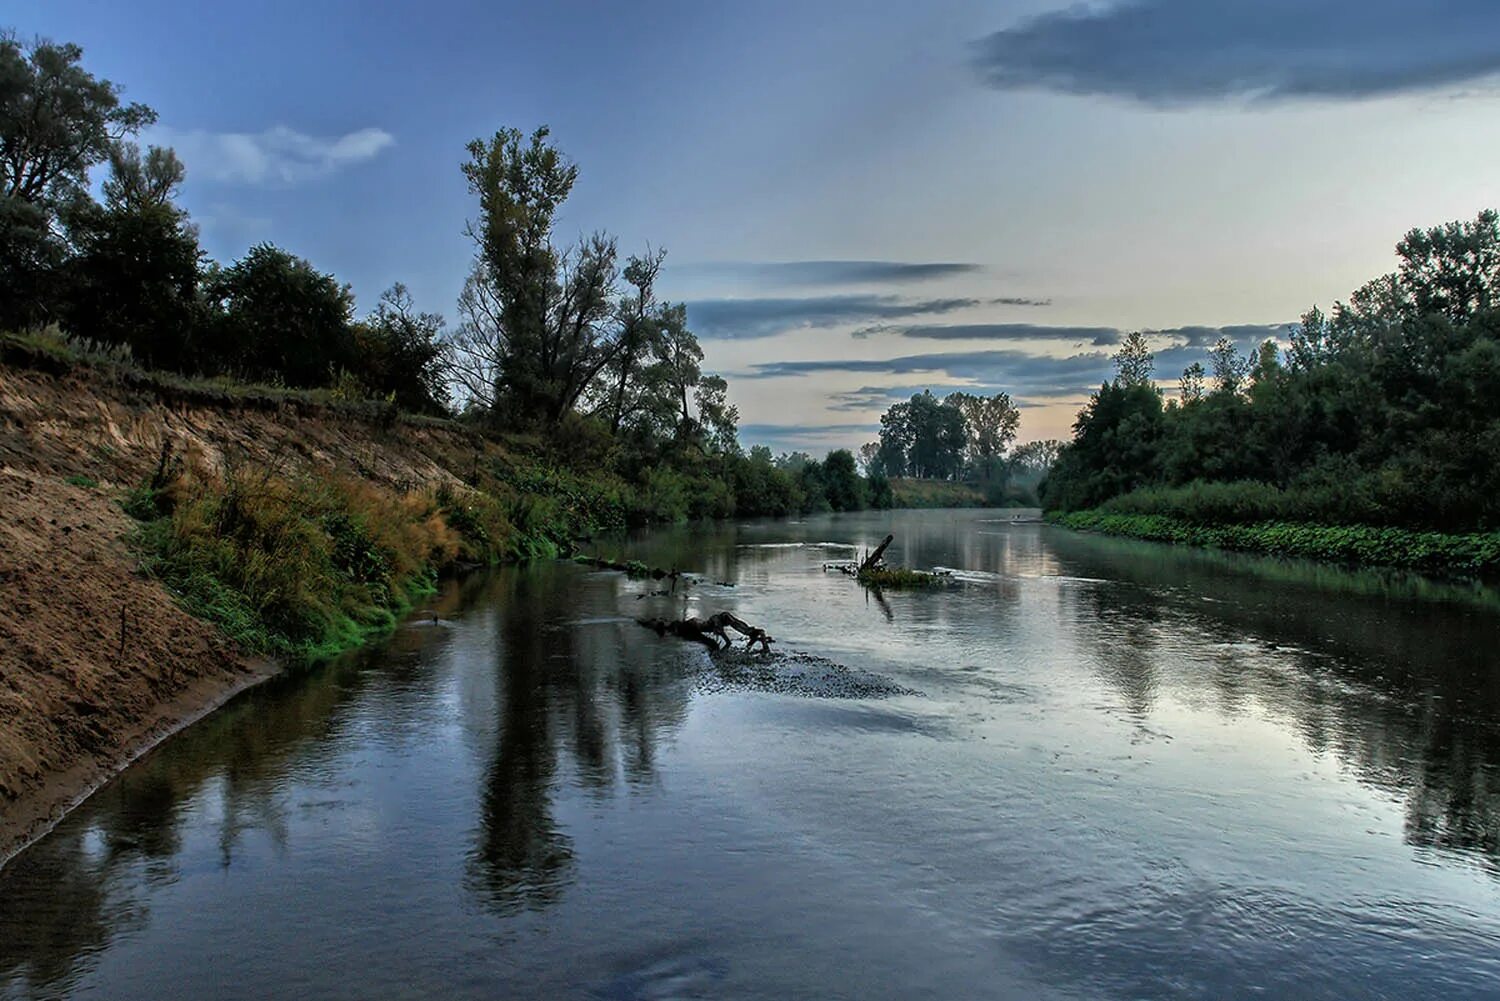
(77, 703)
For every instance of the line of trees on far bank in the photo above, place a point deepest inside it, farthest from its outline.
(962, 438)
(1381, 412)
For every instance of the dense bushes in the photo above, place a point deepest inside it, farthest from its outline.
(1432, 552)
(1381, 415)
(293, 565)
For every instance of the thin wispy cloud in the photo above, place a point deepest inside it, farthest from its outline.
(1191, 336)
(830, 273)
(1167, 52)
(1240, 333)
(1003, 367)
(745, 319)
(276, 156)
(806, 437)
(1096, 336)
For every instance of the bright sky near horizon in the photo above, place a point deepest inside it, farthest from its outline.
(860, 200)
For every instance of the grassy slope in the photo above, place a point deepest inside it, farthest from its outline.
(934, 493)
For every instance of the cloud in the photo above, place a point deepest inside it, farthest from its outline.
(276, 156)
(1015, 372)
(832, 273)
(1172, 52)
(1205, 337)
(1097, 336)
(752, 318)
(806, 437)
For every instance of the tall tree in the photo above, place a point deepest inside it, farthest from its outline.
(133, 277)
(1134, 363)
(992, 423)
(399, 349)
(543, 319)
(57, 121)
(279, 318)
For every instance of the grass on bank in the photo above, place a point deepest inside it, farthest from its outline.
(304, 567)
(1474, 554)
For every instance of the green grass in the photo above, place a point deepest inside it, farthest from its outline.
(909, 492)
(81, 481)
(898, 578)
(1474, 554)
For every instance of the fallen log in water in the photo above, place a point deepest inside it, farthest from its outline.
(712, 630)
(637, 570)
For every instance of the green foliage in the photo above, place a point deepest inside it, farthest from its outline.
(1472, 554)
(81, 481)
(898, 578)
(133, 277)
(300, 568)
(278, 318)
(1382, 415)
(906, 492)
(398, 351)
(841, 483)
(57, 121)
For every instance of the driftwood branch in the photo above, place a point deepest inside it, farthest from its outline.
(711, 632)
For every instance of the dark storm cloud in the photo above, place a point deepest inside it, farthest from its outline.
(745, 319)
(1166, 52)
(830, 273)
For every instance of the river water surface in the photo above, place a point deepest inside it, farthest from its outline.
(1087, 768)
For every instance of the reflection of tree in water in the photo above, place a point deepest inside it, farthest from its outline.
(1398, 690)
(1123, 623)
(597, 689)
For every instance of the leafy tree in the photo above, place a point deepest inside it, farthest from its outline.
(543, 319)
(639, 335)
(278, 318)
(923, 437)
(718, 419)
(1381, 414)
(134, 275)
(991, 423)
(1134, 363)
(399, 352)
(57, 121)
(1191, 385)
(1230, 370)
(841, 482)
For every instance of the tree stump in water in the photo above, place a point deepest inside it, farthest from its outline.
(873, 560)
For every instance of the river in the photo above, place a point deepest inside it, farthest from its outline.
(1085, 768)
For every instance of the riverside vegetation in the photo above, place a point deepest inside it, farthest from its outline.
(1374, 438)
(586, 390)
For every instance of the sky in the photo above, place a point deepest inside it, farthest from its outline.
(859, 200)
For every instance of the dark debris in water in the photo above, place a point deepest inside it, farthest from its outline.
(793, 673)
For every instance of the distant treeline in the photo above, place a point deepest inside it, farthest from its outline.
(961, 439)
(565, 349)
(1383, 412)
